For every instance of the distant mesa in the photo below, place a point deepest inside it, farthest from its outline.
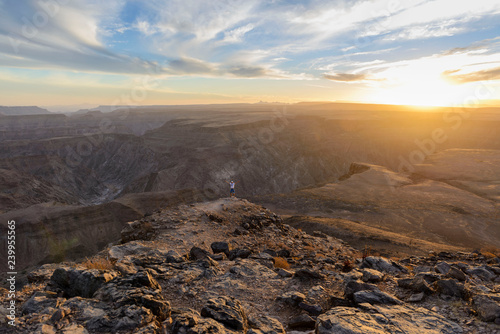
(18, 111)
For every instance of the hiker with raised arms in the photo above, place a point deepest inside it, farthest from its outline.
(231, 185)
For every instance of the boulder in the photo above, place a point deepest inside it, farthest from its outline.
(375, 297)
(312, 309)
(44, 302)
(482, 273)
(487, 308)
(353, 286)
(383, 264)
(456, 273)
(174, 257)
(265, 325)
(442, 267)
(242, 253)
(372, 275)
(302, 322)
(394, 319)
(74, 329)
(197, 253)
(308, 274)
(221, 247)
(416, 284)
(190, 321)
(227, 311)
(451, 287)
(80, 282)
(140, 290)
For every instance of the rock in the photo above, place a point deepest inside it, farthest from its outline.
(451, 287)
(422, 269)
(220, 247)
(270, 252)
(141, 279)
(429, 277)
(394, 319)
(482, 273)
(456, 273)
(487, 308)
(78, 282)
(197, 253)
(242, 253)
(227, 311)
(371, 275)
(291, 298)
(125, 267)
(442, 267)
(130, 248)
(265, 325)
(74, 329)
(416, 297)
(174, 257)
(140, 290)
(137, 230)
(285, 273)
(317, 294)
(283, 253)
(416, 284)
(240, 231)
(190, 321)
(375, 297)
(41, 274)
(85, 309)
(45, 329)
(302, 322)
(353, 286)
(251, 268)
(218, 257)
(310, 308)
(308, 274)
(44, 302)
(59, 314)
(383, 264)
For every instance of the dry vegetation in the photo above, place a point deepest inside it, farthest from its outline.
(100, 263)
(280, 262)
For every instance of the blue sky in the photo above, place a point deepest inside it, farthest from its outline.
(441, 52)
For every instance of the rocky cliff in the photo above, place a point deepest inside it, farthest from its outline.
(229, 266)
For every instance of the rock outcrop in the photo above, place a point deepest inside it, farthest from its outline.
(194, 275)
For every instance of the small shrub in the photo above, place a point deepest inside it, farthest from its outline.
(366, 252)
(347, 266)
(281, 262)
(98, 263)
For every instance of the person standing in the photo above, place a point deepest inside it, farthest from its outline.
(231, 185)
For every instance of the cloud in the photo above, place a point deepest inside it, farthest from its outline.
(485, 75)
(345, 77)
(249, 72)
(190, 66)
(236, 35)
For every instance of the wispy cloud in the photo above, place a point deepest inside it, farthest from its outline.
(485, 75)
(346, 77)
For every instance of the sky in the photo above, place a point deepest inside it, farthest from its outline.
(118, 52)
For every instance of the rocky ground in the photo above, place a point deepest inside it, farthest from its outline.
(230, 266)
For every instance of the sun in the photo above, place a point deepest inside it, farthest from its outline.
(419, 83)
(418, 90)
